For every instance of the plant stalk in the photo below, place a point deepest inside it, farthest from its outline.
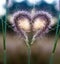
(4, 39)
(56, 41)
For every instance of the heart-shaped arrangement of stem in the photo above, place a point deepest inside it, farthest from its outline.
(31, 27)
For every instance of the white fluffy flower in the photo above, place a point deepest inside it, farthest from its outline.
(2, 9)
(49, 1)
(18, 1)
(57, 4)
(2, 2)
(33, 2)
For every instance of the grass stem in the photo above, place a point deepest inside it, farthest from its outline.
(55, 43)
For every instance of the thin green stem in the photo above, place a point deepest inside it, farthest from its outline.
(55, 43)
(4, 34)
(4, 40)
(29, 54)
